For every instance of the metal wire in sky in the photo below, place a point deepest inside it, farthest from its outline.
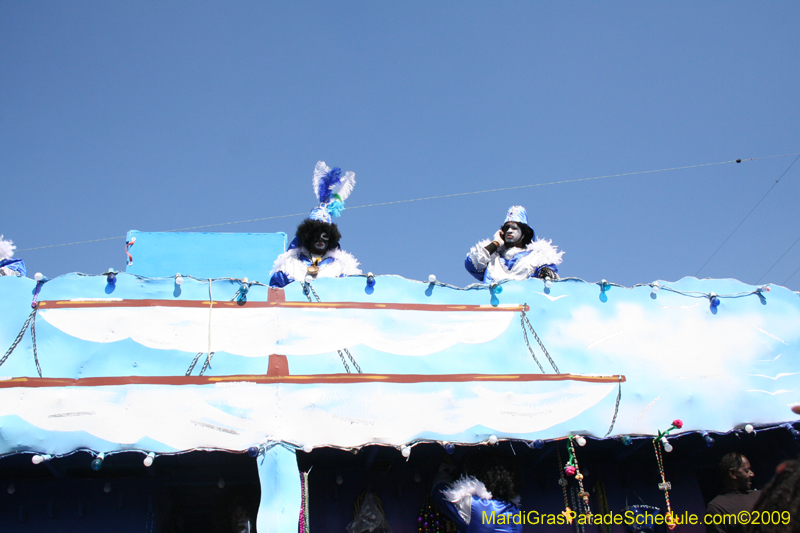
(515, 187)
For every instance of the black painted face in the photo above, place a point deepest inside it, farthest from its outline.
(318, 237)
(321, 242)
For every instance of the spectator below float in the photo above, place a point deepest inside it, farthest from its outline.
(737, 494)
(315, 251)
(780, 500)
(513, 253)
(469, 501)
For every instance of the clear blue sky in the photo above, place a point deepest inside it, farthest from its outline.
(163, 115)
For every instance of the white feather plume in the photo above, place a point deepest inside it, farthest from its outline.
(345, 185)
(319, 172)
(6, 249)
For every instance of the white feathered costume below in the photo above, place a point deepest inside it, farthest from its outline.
(335, 263)
(466, 501)
(512, 262)
(8, 265)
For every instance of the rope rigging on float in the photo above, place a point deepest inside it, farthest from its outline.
(308, 290)
(526, 324)
(31, 320)
(524, 321)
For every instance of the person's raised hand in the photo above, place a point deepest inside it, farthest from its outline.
(498, 236)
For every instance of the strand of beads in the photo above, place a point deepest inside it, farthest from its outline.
(573, 463)
(357, 505)
(602, 503)
(303, 526)
(580, 525)
(562, 481)
(430, 519)
(664, 485)
(658, 443)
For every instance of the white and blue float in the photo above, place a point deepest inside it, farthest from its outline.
(153, 365)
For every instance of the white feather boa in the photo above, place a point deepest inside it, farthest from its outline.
(542, 252)
(461, 492)
(344, 264)
(6, 249)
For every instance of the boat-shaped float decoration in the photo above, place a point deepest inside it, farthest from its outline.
(150, 365)
(258, 329)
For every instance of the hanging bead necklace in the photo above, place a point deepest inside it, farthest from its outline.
(572, 468)
(430, 519)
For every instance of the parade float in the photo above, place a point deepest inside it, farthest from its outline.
(181, 392)
(272, 386)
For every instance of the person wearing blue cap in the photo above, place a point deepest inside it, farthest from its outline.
(513, 253)
(314, 252)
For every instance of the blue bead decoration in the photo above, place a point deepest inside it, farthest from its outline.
(714, 302)
(252, 451)
(97, 464)
(450, 448)
(538, 444)
(111, 278)
(370, 281)
(626, 440)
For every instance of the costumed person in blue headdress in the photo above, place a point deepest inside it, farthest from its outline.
(8, 265)
(513, 253)
(315, 251)
(470, 502)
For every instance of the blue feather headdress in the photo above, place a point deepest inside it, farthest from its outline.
(332, 189)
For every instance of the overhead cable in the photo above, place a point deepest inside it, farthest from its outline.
(778, 261)
(435, 198)
(790, 277)
(747, 216)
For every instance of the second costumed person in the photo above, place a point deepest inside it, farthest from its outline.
(514, 253)
(315, 252)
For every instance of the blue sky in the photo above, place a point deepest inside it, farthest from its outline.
(157, 116)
